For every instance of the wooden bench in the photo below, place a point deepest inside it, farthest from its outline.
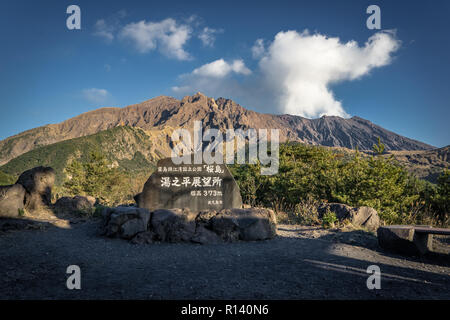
(409, 239)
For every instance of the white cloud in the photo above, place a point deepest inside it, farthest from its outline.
(207, 36)
(258, 49)
(95, 95)
(220, 68)
(166, 35)
(183, 89)
(213, 78)
(295, 72)
(301, 67)
(169, 36)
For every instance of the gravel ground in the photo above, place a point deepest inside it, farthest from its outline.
(301, 263)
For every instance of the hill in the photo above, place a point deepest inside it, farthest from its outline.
(425, 164)
(125, 147)
(163, 112)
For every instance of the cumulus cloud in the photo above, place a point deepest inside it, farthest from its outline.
(220, 68)
(95, 95)
(169, 36)
(214, 77)
(295, 72)
(207, 36)
(302, 66)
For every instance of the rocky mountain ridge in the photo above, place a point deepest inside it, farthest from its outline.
(165, 112)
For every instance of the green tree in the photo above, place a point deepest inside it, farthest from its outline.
(95, 177)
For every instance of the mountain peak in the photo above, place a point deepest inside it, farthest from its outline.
(200, 100)
(167, 112)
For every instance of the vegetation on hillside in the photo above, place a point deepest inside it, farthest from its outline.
(113, 165)
(6, 179)
(97, 178)
(309, 174)
(122, 146)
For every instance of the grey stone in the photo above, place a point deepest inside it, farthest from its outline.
(404, 239)
(132, 227)
(174, 225)
(11, 200)
(366, 217)
(77, 204)
(157, 195)
(205, 236)
(182, 225)
(38, 183)
(146, 237)
(398, 239)
(245, 224)
(125, 222)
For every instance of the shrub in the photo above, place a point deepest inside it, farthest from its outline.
(96, 177)
(21, 212)
(312, 173)
(329, 218)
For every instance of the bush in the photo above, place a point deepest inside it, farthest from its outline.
(328, 219)
(312, 173)
(96, 177)
(6, 179)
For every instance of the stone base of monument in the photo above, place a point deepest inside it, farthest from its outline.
(181, 225)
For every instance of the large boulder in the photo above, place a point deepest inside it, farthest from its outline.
(205, 236)
(125, 222)
(183, 225)
(366, 217)
(244, 224)
(77, 204)
(174, 225)
(38, 183)
(11, 200)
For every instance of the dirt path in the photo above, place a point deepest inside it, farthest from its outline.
(301, 263)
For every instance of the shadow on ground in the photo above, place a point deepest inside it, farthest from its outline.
(34, 264)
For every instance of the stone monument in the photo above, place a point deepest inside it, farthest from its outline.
(194, 186)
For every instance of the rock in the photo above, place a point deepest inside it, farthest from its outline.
(204, 217)
(366, 217)
(174, 225)
(131, 228)
(183, 225)
(77, 204)
(11, 200)
(244, 224)
(38, 183)
(205, 236)
(225, 226)
(125, 222)
(137, 198)
(398, 239)
(146, 237)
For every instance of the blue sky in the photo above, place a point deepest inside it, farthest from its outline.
(130, 51)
